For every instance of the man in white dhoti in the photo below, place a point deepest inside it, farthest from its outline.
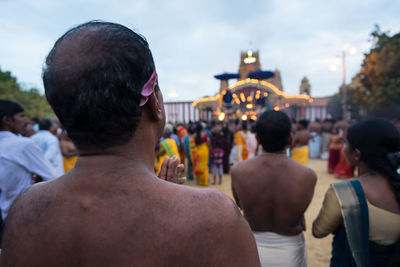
(274, 191)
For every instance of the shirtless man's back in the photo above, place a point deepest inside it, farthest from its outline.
(274, 191)
(111, 209)
(93, 219)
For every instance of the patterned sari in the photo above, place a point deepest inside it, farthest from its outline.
(199, 155)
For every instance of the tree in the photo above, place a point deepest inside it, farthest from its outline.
(305, 87)
(376, 88)
(34, 103)
(335, 105)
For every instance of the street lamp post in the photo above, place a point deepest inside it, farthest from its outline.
(351, 51)
(344, 87)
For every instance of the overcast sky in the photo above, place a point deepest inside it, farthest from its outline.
(192, 41)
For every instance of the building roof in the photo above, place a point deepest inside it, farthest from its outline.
(320, 101)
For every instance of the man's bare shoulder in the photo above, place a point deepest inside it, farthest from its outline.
(244, 166)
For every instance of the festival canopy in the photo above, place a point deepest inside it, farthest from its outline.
(227, 76)
(260, 75)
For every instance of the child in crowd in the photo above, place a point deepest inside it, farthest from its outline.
(217, 155)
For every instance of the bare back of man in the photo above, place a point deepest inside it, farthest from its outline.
(301, 138)
(274, 191)
(108, 218)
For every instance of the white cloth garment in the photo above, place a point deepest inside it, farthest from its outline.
(280, 250)
(20, 157)
(50, 146)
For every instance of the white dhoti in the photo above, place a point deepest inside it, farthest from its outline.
(280, 250)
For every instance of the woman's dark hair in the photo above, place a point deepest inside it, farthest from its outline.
(93, 78)
(379, 144)
(273, 130)
(198, 130)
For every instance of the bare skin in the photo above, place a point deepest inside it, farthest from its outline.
(377, 187)
(68, 148)
(274, 191)
(302, 137)
(112, 210)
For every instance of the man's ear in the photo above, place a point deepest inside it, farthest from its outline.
(154, 104)
(5, 121)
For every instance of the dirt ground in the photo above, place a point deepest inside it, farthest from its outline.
(318, 250)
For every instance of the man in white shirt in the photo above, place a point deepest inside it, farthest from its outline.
(20, 157)
(50, 145)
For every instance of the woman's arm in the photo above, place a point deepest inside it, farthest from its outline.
(329, 217)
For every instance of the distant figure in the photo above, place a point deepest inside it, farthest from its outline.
(343, 169)
(315, 144)
(252, 143)
(168, 147)
(111, 209)
(20, 157)
(49, 144)
(69, 151)
(364, 214)
(199, 154)
(217, 155)
(326, 129)
(274, 191)
(335, 145)
(300, 151)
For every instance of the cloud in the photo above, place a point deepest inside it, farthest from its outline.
(192, 41)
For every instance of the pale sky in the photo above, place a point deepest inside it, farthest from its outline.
(192, 41)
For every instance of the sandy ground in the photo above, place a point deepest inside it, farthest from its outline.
(318, 250)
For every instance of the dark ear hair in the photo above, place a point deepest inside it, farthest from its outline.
(9, 109)
(93, 78)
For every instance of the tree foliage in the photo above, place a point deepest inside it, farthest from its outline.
(335, 105)
(34, 103)
(376, 88)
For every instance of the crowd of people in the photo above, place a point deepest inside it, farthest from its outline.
(121, 202)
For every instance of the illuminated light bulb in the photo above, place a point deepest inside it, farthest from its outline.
(221, 116)
(352, 50)
(249, 99)
(249, 106)
(287, 105)
(254, 117)
(276, 108)
(244, 117)
(265, 94)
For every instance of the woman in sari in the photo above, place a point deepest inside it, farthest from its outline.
(364, 214)
(199, 153)
(167, 147)
(334, 150)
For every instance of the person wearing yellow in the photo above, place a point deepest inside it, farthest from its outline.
(69, 151)
(301, 139)
(167, 147)
(199, 153)
(241, 137)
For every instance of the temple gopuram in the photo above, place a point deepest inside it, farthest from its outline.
(254, 91)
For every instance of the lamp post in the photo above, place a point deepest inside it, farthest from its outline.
(344, 87)
(351, 51)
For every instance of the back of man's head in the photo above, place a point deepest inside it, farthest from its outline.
(9, 109)
(45, 124)
(93, 78)
(273, 130)
(304, 124)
